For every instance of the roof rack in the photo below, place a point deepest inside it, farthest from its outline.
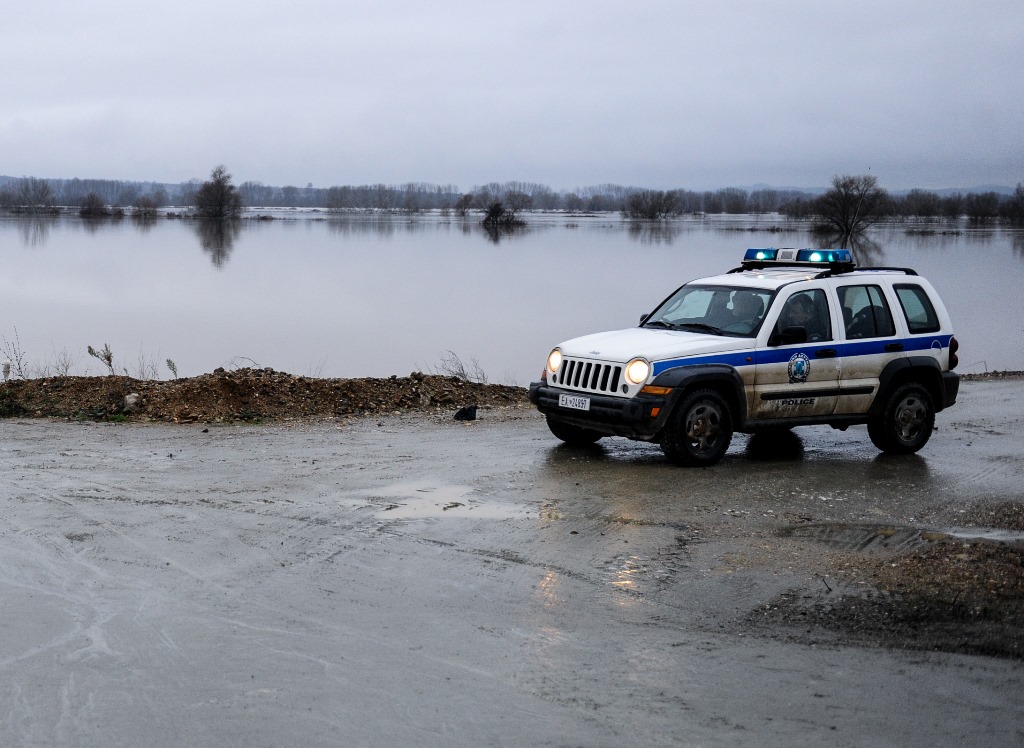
(907, 271)
(832, 271)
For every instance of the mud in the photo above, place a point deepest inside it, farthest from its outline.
(412, 579)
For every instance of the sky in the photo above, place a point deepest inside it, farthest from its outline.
(567, 93)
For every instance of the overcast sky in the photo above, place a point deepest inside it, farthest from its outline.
(920, 93)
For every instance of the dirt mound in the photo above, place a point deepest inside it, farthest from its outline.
(244, 395)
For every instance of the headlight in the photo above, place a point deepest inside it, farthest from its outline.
(637, 371)
(554, 360)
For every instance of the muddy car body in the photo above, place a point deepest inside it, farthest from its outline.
(789, 338)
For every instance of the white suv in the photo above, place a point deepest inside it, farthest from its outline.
(792, 337)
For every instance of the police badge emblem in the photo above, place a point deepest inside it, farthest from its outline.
(799, 368)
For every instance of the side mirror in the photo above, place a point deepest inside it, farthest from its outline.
(643, 318)
(789, 336)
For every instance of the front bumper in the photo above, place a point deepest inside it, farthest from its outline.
(641, 417)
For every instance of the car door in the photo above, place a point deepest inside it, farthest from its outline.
(871, 341)
(797, 373)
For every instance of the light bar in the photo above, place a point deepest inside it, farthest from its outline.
(787, 256)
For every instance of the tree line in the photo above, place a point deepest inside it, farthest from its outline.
(917, 203)
(99, 197)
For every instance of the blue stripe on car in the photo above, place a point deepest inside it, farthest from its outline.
(781, 355)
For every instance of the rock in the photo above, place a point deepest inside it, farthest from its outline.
(132, 402)
(467, 413)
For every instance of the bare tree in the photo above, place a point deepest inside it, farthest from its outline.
(653, 204)
(1013, 208)
(852, 205)
(516, 201)
(15, 356)
(93, 207)
(463, 204)
(145, 207)
(919, 203)
(34, 195)
(453, 366)
(217, 198)
(981, 206)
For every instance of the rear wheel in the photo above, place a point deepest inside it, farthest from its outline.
(574, 436)
(906, 423)
(700, 430)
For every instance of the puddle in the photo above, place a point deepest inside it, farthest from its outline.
(423, 500)
(985, 533)
(888, 538)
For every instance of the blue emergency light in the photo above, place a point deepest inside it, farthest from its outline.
(829, 256)
(760, 255)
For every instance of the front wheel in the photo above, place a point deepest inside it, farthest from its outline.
(906, 423)
(574, 436)
(700, 430)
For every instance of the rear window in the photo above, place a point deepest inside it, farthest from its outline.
(918, 309)
(865, 312)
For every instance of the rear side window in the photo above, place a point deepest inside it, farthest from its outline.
(918, 309)
(865, 312)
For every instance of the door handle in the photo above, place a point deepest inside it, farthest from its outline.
(825, 353)
(893, 347)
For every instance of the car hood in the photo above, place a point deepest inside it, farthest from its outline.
(652, 344)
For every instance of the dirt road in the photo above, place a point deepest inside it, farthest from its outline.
(415, 580)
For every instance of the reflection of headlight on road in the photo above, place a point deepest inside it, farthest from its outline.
(554, 360)
(637, 371)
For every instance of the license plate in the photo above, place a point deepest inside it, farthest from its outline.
(574, 401)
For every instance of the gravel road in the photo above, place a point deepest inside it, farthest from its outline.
(415, 580)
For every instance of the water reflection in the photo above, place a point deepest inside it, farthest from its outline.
(93, 224)
(388, 225)
(653, 233)
(35, 230)
(898, 469)
(144, 223)
(562, 453)
(376, 225)
(867, 252)
(217, 238)
(495, 233)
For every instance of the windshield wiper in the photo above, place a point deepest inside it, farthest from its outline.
(661, 323)
(700, 327)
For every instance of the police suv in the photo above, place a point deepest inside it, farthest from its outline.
(792, 337)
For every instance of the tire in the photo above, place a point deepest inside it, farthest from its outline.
(700, 430)
(574, 436)
(906, 423)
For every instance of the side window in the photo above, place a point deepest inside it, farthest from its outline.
(807, 309)
(918, 309)
(865, 312)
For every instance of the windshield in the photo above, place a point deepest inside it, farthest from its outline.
(718, 310)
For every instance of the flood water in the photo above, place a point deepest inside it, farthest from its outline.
(365, 296)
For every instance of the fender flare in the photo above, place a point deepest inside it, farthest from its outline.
(929, 376)
(718, 376)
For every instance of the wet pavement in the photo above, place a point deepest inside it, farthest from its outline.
(421, 581)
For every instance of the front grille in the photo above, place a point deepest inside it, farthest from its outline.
(589, 376)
